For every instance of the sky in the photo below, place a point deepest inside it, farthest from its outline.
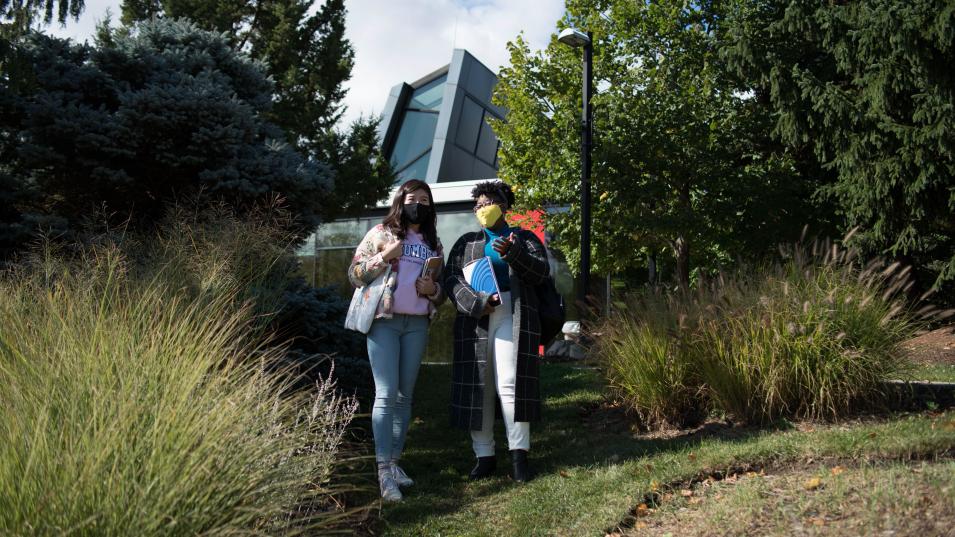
(402, 40)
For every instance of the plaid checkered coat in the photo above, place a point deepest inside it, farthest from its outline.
(528, 265)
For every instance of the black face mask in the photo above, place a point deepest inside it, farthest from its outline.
(416, 213)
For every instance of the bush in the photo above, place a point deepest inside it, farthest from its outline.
(140, 395)
(649, 361)
(315, 318)
(811, 337)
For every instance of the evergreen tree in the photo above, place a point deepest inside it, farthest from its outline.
(306, 53)
(18, 16)
(166, 111)
(683, 161)
(867, 86)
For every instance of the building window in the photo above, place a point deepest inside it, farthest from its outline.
(429, 96)
(409, 156)
(414, 138)
(474, 134)
(417, 169)
(487, 143)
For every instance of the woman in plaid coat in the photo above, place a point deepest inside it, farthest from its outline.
(496, 337)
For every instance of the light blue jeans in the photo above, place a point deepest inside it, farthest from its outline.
(395, 348)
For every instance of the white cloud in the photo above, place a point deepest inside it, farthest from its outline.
(84, 29)
(401, 40)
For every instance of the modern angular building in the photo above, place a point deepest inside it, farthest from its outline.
(435, 129)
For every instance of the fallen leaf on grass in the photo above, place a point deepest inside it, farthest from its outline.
(686, 493)
(563, 473)
(817, 521)
(642, 510)
(872, 434)
(694, 501)
(752, 474)
(837, 470)
(692, 457)
(654, 485)
(812, 483)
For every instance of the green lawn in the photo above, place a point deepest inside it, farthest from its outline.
(593, 471)
(899, 499)
(936, 372)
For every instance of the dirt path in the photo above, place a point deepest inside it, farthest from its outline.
(935, 347)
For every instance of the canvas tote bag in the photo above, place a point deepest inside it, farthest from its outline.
(364, 304)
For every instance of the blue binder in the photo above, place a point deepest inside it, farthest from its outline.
(480, 276)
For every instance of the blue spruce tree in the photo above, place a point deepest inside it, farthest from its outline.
(164, 112)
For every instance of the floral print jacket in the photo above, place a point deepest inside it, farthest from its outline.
(368, 263)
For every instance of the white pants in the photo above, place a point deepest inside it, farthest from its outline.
(500, 377)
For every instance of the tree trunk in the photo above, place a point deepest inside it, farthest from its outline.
(681, 246)
(652, 268)
(682, 250)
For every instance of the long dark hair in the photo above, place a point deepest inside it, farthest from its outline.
(394, 222)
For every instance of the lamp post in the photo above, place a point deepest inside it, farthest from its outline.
(576, 38)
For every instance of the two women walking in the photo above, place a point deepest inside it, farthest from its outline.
(496, 336)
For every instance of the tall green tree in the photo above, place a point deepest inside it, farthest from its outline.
(164, 113)
(868, 87)
(18, 16)
(305, 51)
(683, 161)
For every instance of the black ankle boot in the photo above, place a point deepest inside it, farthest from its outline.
(522, 472)
(484, 468)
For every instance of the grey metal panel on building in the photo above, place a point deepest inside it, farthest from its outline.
(462, 147)
(438, 149)
(458, 163)
(472, 83)
(391, 115)
(468, 124)
(483, 171)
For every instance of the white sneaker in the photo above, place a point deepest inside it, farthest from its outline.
(389, 487)
(400, 476)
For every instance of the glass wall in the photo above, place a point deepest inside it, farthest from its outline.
(326, 255)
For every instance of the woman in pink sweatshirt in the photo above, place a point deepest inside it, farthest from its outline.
(404, 240)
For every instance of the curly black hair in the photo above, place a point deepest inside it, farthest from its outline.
(498, 190)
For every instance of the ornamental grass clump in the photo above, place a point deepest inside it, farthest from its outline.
(811, 337)
(135, 402)
(650, 360)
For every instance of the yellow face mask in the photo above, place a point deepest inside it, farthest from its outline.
(488, 216)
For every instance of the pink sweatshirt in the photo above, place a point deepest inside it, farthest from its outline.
(410, 263)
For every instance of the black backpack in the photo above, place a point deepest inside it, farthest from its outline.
(550, 307)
